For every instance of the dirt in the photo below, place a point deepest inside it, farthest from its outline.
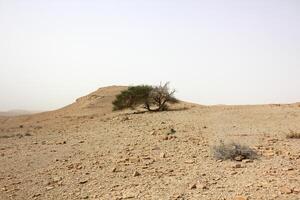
(86, 151)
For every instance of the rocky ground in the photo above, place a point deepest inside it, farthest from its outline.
(85, 151)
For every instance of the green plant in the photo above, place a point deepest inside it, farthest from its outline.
(133, 96)
(153, 98)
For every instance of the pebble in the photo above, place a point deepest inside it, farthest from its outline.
(114, 169)
(247, 161)
(136, 174)
(237, 166)
(49, 188)
(285, 190)
(189, 161)
(162, 155)
(239, 158)
(193, 186)
(57, 178)
(83, 181)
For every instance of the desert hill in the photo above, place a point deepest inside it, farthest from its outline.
(86, 151)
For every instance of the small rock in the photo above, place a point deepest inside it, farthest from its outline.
(165, 138)
(83, 181)
(49, 188)
(136, 174)
(85, 197)
(237, 166)
(288, 169)
(247, 161)
(79, 167)
(239, 158)
(193, 186)
(36, 195)
(202, 186)
(285, 190)
(57, 178)
(296, 190)
(114, 169)
(172, 131)
(189, 161)
(233, 173)
(162, 155)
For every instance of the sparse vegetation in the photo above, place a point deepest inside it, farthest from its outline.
(293, 135)
(233, 151)
(153, 98)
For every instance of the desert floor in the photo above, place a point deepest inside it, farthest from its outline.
(86, 151)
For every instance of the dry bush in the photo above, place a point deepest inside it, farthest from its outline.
(293, 135)
(233, 151)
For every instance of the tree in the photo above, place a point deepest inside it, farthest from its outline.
(152, 98)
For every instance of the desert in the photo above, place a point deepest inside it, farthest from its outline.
(87, 151)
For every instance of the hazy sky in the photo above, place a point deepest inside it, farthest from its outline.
(212, 51)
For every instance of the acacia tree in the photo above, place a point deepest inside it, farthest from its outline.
(160, 96)
(153, 98)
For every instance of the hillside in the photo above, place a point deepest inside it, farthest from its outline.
(86, 151)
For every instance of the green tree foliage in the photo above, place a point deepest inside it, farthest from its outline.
(152, 98)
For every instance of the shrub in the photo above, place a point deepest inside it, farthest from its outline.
(153, 98)
(233, 151)
(132, 97)
(293, 135)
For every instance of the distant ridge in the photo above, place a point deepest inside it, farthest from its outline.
(12, 113)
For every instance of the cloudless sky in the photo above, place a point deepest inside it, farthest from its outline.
(212, 51)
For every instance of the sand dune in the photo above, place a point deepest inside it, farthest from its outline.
(86, 151)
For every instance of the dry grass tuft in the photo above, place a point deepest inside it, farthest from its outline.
(233, 151)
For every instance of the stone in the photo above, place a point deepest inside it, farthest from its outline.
(36, 195)
(84, 197)
(165, 138)
(193, 186)
(114, 169)
(136, 174)
(239, 158)
(237, 166)
(83, 181)
(49, 188)
(202, 186)
(296, 190)
(288, 169)
(189, 161)
(285, 190)
(162, 155)
(247, 161)
(57, 178)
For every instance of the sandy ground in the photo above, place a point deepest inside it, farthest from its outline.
(85, 151)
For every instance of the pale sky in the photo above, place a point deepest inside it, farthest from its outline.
(212, 51)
